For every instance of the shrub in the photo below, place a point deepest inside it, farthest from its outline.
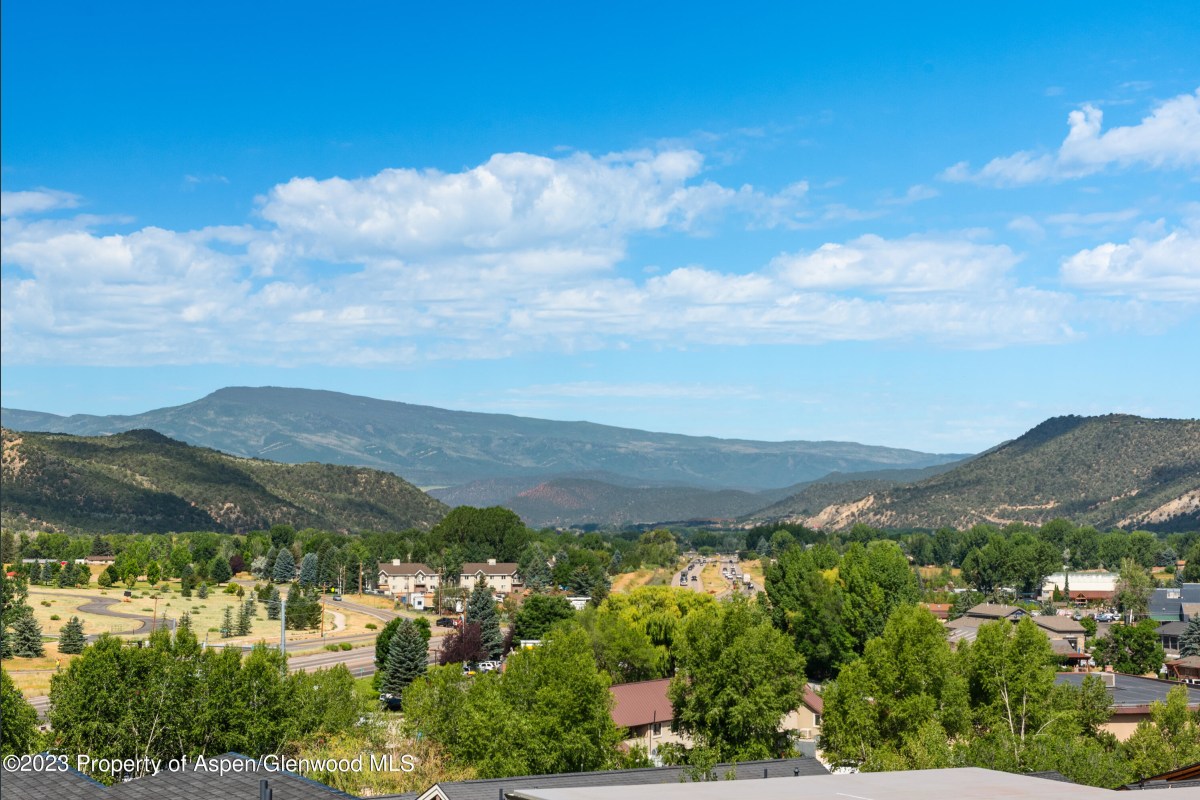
(55, 616)
(46, 603)
(331, 647)
(345, 645)
(371, 626)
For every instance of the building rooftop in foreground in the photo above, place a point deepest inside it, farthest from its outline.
(1131, 692)
(968, 783)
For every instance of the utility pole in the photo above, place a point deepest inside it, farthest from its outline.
(282, 628)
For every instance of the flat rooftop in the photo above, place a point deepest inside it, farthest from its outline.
(970, 783)
(1131, 690)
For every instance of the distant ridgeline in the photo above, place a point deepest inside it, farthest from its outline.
(144, 481)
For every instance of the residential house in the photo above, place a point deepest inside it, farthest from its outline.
(1169, 633)
(404, 580)
(644, 709)
(1175, 604)
(501, 578)
(1131, 697)
(1186, 670)
(1067, 636)
(1183, 778)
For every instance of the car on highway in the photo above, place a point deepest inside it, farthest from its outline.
(446, 622)
(693, 577)
(337, 597)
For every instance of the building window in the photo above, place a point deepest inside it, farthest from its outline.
(658, 729)
(817, 720)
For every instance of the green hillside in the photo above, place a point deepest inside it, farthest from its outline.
(144, 481)
(1114, 470)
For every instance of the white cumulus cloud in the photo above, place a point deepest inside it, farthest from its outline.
(1169, 137)
(1165, 269)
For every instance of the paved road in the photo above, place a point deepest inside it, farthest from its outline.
(102, 607)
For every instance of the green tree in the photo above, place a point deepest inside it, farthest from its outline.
(1189, 642)
(807, 603)
(621, 647)
(406, 660)
(481, 610)
(27, 636)
(70, 637)
(478, 534)
(13, 592)
(19, 731)
(1170, 739)
(153, 573)
(308, 569)
(219, 570)
(736, 677)
(1133, 649)
(244, 618)
(904, 689)
(274, 602)
(538, 614)
(534, 567)
(227, 625)
(876, 579)
(285, 567)
(1133, 588)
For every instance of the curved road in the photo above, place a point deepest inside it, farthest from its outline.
(100, 607)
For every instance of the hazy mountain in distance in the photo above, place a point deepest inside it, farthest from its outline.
(434, 447)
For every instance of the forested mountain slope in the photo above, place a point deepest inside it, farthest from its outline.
(1110, 470)
(144, 481)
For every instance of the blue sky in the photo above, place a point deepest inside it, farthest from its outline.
(929, 227)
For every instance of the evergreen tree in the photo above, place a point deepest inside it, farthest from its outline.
(614, 563)
(70, 637)
(763, 548)
(105, 580)
(481, 610)
(13, 592)
(285, 567)
(202, 592)
(309, 569)
(243, 619)
(227, 623)
(100, 547)
(66, 576)
(406, 660)
(185, 583)
(535, 568)
(27, 637)
(273, 603)
(251, 607)
(219, 570)
(47, 575)
(1189, 642)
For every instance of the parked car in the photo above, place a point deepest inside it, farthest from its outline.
(489, 666)
(446, 622)
(337, 597)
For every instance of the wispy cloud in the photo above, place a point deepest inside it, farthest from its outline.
(1169, 137)
(37, 201)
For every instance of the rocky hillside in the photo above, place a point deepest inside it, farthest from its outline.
(144, 481)
(1114, 470)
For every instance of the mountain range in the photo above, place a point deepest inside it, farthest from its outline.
(434, 447)
(1110, 470)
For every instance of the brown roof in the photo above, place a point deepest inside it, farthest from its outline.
(389, 568)
(1191, 662)
(1091, 594)
(503, 568)
(641, 703)
(813, 700)
(1059, 624)
(993, 611)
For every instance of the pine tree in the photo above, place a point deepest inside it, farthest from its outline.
(219, 570)
(185, 585)
(309, 569)
(273, 603)
(70, 637)
(1189, 642)
(481, 610)
(251, 607)
(243, 619)
(27, 637)
(66, 576)
(406, 660)
(227, 623)
(47, 575)
(285, 567)
(202, 592)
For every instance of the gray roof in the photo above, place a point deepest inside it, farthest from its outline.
(1172, 628)
(1131, 691)
(490, 788)
(967, 783)
(188, 784)
(1169, 602)
(55, 779)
